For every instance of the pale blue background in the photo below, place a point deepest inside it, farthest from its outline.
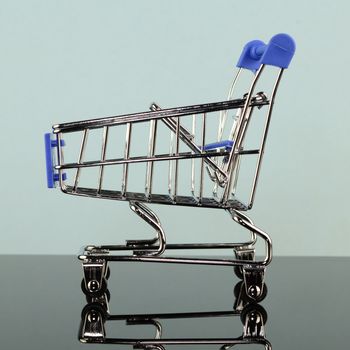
(71, 60)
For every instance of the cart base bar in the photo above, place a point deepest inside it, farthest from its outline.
(205, 202)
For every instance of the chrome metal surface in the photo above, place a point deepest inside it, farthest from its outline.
(146, 214)
(103, 157)
(142, 116)
(239, 135)
(263, 142)
(151, 150)
(221, 161)
(94, 319)
(126, 157)
(202, 160)
(81, 155)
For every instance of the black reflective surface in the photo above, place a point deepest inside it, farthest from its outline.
(41, 303)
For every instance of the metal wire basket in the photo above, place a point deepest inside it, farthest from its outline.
(211, 169)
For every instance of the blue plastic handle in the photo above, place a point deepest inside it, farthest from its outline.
(52, 175)
(278, 52)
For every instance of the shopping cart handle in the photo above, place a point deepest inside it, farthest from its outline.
(278, 52)
(52, 175)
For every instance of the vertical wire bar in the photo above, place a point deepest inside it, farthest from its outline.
(193, 161)
(223, 114)
(240, 135)
(170, 173)
(235, 175)
(232, 133)
(103, 156)
(126, 156)
(202, 159)
(263, 142)
(222, 122)
(151, 151)
(80, 159)
(236, 168)
(60, 159)
(177, 145)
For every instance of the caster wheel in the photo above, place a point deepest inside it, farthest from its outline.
(240, 290)
(94, 310)
(97, 292)
(256, 299)
(255, 312)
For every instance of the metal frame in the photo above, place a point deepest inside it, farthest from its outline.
(222, 166)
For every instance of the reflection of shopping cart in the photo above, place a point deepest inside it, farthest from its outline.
(212, 168)
(97, 323)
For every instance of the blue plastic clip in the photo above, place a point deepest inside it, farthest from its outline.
(278, 52)
(227, 145)
(52, 174)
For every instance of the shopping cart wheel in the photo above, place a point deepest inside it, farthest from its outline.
(94, 290)
(256, 299)
(240, 292)
(254, 316)
(95, 312)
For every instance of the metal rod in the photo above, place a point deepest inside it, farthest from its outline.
(263, 142)
(144, 116)
(183, 341)
(240, 134)
(178, 260)
(150, 217)
(175, 315)
(177, 146)
(60, 160)
(151, 150)
(178, 246)
(235, 170)
(170, 171)
(193, 160)
(202, 160)
(126, 158)
(188, 140)
(223, 114)
(81, 155)
(103, 157)
(143, 159)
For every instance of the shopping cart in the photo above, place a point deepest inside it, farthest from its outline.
(211, 169)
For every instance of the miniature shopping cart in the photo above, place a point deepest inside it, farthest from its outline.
(185, 156)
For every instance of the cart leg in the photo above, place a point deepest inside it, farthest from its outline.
(243, 253)
(254, 275)
(150, 217)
